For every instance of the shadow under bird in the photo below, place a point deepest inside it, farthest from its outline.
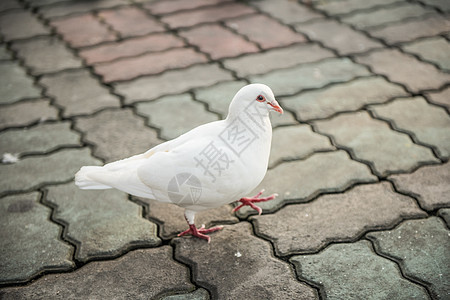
(209, 166)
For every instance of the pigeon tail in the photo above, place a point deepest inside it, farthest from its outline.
(95, 178)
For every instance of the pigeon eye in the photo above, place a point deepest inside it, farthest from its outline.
(260, 98)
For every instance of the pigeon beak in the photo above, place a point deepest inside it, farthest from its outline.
(275, 106)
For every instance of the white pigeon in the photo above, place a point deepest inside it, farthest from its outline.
(209, 166)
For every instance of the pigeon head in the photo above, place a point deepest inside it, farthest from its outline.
(257, 93)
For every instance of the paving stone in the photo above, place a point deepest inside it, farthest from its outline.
(15, 84)
(265, 31)
(40, 139)
(372, 141)
(130, 47)
(261, 63)
(20, 24)
(140, 274)
(322, 172)
(436, 50)
(27, 113)
(296, 142)
(104, 223)
(117, 134)
(45, 54)
(413, 29)
(287, 11)
(72, 7)
(175, 115)
(218, 42)
(421, 247)
(405, 69)
(78, 92)
(35, 171)
(440, 4)
(335, 218)
(338, 36)
(22, 255)
(351, 96)
(148, 64)
(198, 294)
(384, 15)
(444, 213)
(170, 217)
(166, 7)
(429, 124)
(147, 88)
(206, 15)
(9, 4)
(238, 265)
(38, 3)
(347, 6)
(441, 98)
(83, 30)
(316, 75)
(4, 54)
(428, 184)
(354, 271)
(130, 21)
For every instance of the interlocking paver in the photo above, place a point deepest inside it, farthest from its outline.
(73, 7)
(348, 6)
(165, 113)
(422, 251)
(130, 21)
(435, 50)
(130, 47)
(140, 274)
(40, 139)
(78, 92)
(322, 172)
(9, 4)
(444, 213)
(287, 11)
(83, 30)
(384, 15)
(20, 24)
(170, 217)
(374, 142)
(351, 96)
(441, 4)
(428, 184)
(354, 271)
(38, 3)
(148, 64)
(441, 98)
(296, 142)
(105, 224)
(207, 14)
(198, 294)
(429, 124)
(27, 113)
(335, 218)
(315, 75)
(413, 29)
(45, 54)
(153, 87)
(166, 7)
(338, 36)
(238, 265)
(35, 171)
(15, 84)
(117, 134)
(405, 69)
(22, 255)
(265, 31)
(218, 42)
(261, 63)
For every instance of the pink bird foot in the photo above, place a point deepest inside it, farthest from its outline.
(200, 232)
(250, 200)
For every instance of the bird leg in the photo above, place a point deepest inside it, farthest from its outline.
(199, 232)
(250, 200)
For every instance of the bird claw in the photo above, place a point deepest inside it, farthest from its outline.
(248, 201)
(200, 232)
